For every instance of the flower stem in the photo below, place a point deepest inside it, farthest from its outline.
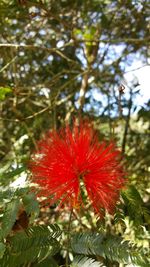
(68, 237)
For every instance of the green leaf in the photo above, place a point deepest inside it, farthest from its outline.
(13, 173)
(6, 195)
(2, 249)
(8, 177)
(4, 91)
(81, 261)
(9, 194)
(132, 194)
(31, 204)
(34, 236)
(48, 262)
(134, 206)
(108, 246)
(34, 244)
(9, 217)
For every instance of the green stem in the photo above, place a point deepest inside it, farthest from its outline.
(68, 238)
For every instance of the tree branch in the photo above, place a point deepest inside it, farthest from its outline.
(127, 124)
(52, 50)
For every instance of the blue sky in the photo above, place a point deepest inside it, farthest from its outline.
(142, 73)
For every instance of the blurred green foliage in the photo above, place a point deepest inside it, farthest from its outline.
(61, 59)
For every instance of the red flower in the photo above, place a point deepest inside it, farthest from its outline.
(67, 157)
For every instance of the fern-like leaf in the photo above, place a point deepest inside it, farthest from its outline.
(108, 246)
(134, 205)
(81, 261)
(34, 236)
(48, 262)
(34, 244)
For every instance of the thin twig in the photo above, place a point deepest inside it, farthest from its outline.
(146, 65)
(8, 64)
(80, 221)
(52, 50)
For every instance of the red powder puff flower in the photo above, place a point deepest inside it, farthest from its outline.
(67, 157)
